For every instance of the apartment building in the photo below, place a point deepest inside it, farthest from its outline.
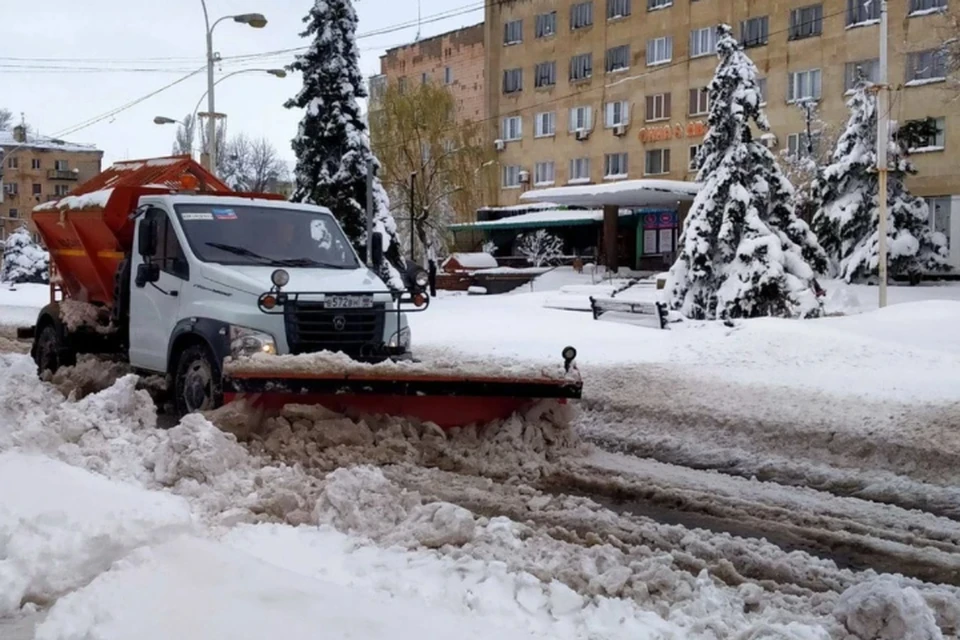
(37, 169)
(592, 91)
(454, 59)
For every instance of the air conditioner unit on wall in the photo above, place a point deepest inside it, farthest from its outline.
(769, 140)
(620, 130)
(582, 134)
(499, 144)
(524, 176)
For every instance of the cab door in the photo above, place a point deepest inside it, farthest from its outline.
(154, 307)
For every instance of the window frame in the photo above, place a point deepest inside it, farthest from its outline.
(515, 72)
(582, 62)
(541, 21)
(580, 163)
(551, 74)
(793, 83)
(537, 166)
(653, 46)
(513, 32)
(665, 102)
(764, 37)
(664, 154)
(507, 126)
(622, 160)
(538, 131)
(585, 21)
(816, 23)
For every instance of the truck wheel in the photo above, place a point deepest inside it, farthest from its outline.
(197, 382)
(49, 352)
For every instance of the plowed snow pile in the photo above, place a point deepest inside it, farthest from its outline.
(317, 438)
(372, 540)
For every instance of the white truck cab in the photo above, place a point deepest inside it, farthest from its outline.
(212, 277)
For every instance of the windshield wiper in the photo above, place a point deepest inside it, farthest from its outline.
(310, 262)
(241, 251)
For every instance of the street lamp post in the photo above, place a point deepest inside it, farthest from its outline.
(278, 73)
(255, 20)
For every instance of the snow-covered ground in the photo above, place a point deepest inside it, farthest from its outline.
(681, 520)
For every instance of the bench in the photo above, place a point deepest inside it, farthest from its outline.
(600, 306)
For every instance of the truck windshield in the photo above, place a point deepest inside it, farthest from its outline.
(252, 235)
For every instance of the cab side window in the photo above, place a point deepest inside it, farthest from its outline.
(170, 254)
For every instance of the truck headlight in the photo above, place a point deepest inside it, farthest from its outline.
(247, 342)
(421, 279)
(400, 339)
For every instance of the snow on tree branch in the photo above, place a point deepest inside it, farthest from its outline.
(540, 248)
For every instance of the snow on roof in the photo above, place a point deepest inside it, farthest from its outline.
(628, 193)
(41, 142)
(83, 201)
(139, 164)
(533, 206)
(473, 260)
(538, 219)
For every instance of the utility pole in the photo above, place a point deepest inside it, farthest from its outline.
(413, 218)
(370, 211)
(883, 126)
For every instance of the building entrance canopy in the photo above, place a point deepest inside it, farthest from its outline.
(625, 193)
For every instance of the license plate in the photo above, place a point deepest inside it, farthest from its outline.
(348, 302)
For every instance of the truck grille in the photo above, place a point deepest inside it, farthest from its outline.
(311, 328)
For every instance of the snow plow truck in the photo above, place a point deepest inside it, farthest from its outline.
(161, 264)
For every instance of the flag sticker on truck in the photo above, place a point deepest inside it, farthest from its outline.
(196, 215)
(224, 214)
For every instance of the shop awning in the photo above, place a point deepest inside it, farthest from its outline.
(626, 193)
(541, 220)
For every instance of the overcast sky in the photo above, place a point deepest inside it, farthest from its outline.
(66, 36)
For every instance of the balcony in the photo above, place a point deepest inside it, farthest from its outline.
(57, 174)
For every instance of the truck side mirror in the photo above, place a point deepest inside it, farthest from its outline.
(147, 238)
(376, 249)
(147, 272)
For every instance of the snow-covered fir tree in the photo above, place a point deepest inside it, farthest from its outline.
(743, 252)
(24, 260)
(847, 190)
(333, 145)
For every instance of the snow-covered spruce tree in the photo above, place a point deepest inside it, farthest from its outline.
(332, 146)
(24, 260)
(846, 192)
(743, 252)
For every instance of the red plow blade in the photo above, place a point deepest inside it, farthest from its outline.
(448, 400)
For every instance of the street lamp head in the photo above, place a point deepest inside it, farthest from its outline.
(280, 73)
(255, 20)
(164, 120)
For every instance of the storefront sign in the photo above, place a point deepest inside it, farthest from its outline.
(696, 129)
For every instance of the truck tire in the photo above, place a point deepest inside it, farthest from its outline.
(49, 351)
(197, 385)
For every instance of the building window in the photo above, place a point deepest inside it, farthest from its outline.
(860, 12)
(581, 66)
(703, 42)
(926, 66)
(755, 32)
(545, 124)
(581, 15)
(447, 75)
(511, 128)
(940, 215)
(921, 7)
(512, 80)
(13, 162)
(801, 146)
(61, 165)
(616, 113)
(657, 162)
(803, 85)
(762, 88)
(14, 213)
(35, 163)
(401, 84)
(543, 174)
(699, 101)
(659, 50)
(37, 189)
(658, 4)
(806, 22)
(579, 170)
(424, 78)
(581, 118)
(513, 32)
(868, 69)
(692, 157)
(615, 166)
(61, 189)
(658, 107)
(618, 58)
(11, 188)
(511, 176)
(935, 141)
(545, 74)
(545, 24)
(618, 9)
